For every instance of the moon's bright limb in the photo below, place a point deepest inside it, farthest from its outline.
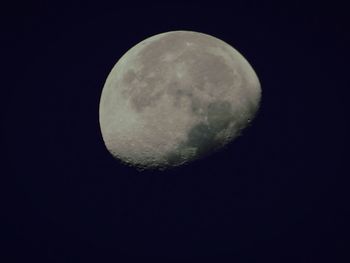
(176, 97)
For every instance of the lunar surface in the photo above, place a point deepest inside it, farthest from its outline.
(176, 97)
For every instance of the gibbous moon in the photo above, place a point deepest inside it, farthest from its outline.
(176, 97)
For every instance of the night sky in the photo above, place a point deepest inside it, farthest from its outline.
(276, 194)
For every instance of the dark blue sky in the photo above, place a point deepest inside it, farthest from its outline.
(277, 194)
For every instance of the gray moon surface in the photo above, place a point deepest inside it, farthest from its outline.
(176, 97)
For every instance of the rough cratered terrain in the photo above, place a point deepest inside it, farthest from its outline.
(176, 97)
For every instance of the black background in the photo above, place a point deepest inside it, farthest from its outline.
(277, 194)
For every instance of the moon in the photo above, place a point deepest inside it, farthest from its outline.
(176, 97)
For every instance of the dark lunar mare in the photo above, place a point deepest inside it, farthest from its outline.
(203, 136)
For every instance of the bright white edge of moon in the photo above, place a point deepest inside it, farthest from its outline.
(176, 97)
